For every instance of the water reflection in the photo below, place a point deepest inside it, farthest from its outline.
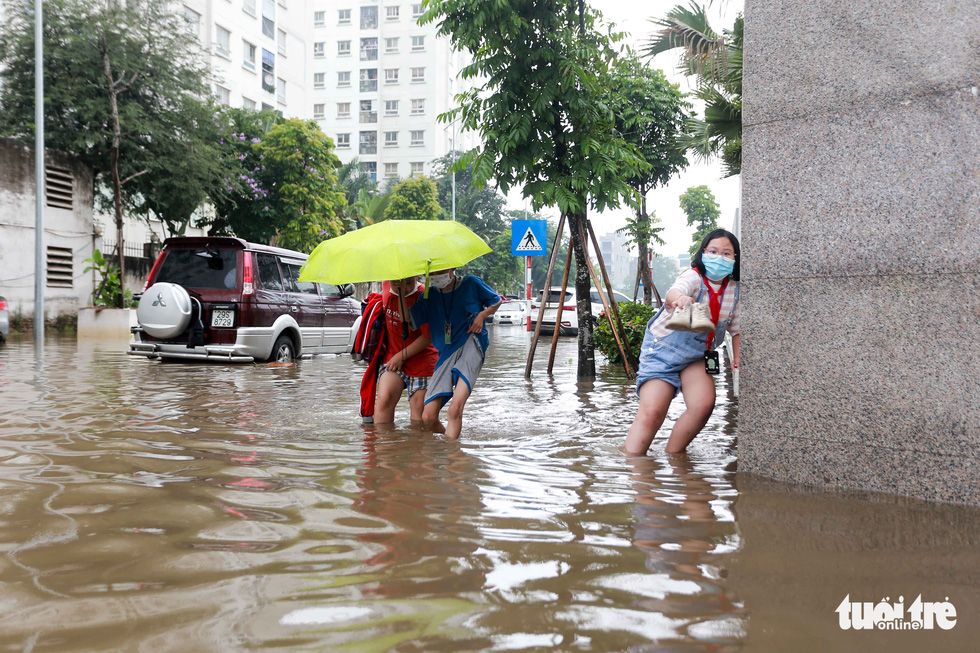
(150, 506)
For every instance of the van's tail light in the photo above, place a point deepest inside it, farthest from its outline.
(247, 287)
(568, 308)
(534, 307)
(153, 271)
(3, 304)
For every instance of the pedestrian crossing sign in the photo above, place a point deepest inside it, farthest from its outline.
(528, 237)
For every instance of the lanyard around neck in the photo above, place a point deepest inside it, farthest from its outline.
(714, 302)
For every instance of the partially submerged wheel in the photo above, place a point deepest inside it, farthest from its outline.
(283, 351)
(164, 310)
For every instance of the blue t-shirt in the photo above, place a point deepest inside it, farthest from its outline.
(470, 296)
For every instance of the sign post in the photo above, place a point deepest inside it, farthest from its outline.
(527, 238)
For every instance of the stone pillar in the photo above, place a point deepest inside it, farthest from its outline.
(861, 244)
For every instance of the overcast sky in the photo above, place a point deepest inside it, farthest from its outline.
(632, 16)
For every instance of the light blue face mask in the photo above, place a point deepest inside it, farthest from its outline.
(716, 266)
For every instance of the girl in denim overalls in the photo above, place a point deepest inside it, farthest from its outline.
(672, 360)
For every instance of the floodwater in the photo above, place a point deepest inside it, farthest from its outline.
(152, 506)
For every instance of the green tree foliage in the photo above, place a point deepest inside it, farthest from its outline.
(650, 113)
(716, 62)
(541, 104)
(121, 86)
(301, 172)
(481, 208)
(698, 202)
(414, 198)
(360, 191)
(285, 189)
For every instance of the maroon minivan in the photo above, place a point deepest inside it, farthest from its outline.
(225, 299)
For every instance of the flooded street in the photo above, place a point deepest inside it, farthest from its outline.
(152, 506)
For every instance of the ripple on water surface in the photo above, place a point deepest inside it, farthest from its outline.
(169, 506)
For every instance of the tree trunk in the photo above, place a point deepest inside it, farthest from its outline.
(644, 246)
(116, 183)
(583, 294)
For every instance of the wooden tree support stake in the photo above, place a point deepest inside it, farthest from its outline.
(605, 304)
(544, 297)
(561, 308)
(612, 298)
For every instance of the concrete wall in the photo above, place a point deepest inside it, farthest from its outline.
(71, 229)
(861, 226)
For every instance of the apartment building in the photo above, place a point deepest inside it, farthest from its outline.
(378, 81)
(617, 257)
(258, 50)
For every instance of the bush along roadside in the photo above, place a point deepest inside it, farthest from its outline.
(635, 317)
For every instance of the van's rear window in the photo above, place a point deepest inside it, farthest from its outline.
(198, 268)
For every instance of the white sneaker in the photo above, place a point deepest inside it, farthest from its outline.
(680, 320)
(701, 319)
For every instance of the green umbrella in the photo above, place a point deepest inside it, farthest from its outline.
(393, 249)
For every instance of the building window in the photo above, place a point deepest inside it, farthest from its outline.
(371, 170)
(369, 49)
(368, 143)
(369, 80)
(267, 107)
(248, 55)
(391, 107)
(281, 91)
(318, 111)
(418, 107)
(418, 137)
(343, 16)
(222, 42)
(319, 51)
(418, 43)
(343, 79)
(343, 141)
(248, 6)
(391, 13)
(224, 95)
(268, 71)
(417, 167)
(416, 10)
(269, 18)
(368, 114)
(391, 170)
(418, 75)
(343, 49)
(319, 80)
(193, 20)
(343, 109)
(391, 76)
(59, 187)
(369, 17)
(391, 139)
(281, 41)
(391, 45)
(248, 104)
(60, 264)
(319, 19)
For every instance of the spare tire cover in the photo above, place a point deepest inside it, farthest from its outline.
(164, 310)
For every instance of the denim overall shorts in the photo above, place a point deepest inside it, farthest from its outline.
(664, 357)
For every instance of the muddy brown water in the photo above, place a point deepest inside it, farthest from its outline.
(149, 506)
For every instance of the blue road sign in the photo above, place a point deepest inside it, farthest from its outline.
(528, 237)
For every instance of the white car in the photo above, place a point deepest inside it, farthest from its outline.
(512, 311)
(569, 314)
(597, 307)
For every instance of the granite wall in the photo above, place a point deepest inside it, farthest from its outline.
(861, 237)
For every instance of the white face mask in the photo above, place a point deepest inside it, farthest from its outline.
(440, 281)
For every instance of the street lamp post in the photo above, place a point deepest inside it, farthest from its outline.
(38, 174)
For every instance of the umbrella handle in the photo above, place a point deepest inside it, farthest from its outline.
(402, 309)
(428, 265)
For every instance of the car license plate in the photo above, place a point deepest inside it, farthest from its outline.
(221, 318)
